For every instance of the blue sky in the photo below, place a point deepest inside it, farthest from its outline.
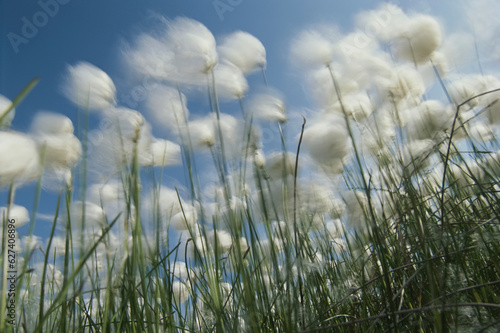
(94, 31)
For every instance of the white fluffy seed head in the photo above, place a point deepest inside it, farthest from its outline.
(230, 81)
(19, 214)
(417, 154)
(61, 150)
(162, 153)
(193, 45)
(180, 292)
(94, 214)
(244, 51)
(420, 40)
(20, 160)
(358, 106)
(312, 49)
(186, 219)
(89, 87)
(202, 133)
(279, 165)
(51, 123)
(385, 22)
(405, 82)
(326, 141)
(428, 119)
(259, 158)
(7, 118)
(268, 106)
(107, 193)
(168, 107)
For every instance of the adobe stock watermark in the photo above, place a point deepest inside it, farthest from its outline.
(223, 6)
(31, 26)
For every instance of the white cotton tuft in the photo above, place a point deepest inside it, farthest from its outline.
(19, 214)
(458, 48)
(405, 82)
(385, 22)
(421, 38)
(312, 49)
(180, 292)
(244, 51)
(202, 133)
(334, 229)
(321, 86)
(5, 103)
(94, 214)
(179, 269)
(379, 130)
(89, 87)
(185, 219)
(60, 151)
(280, 165)
(325, 138)
(168, 107)
(491, 101)
(51, 123)
(259, 158)
(193, 45)
(231, 129)
(357, 210)
(230, 81)
(128, 133)
(427, 120)
(163, 153)
(417, 153)
(268, 106)
(222, 238)
(109, 192)
(20, 160)
(165, 201)
(463, 88)
(358, 106)
(151, 57)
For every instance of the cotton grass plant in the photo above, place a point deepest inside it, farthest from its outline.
(380, 214)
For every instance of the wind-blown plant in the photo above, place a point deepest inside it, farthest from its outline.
(378, 214)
